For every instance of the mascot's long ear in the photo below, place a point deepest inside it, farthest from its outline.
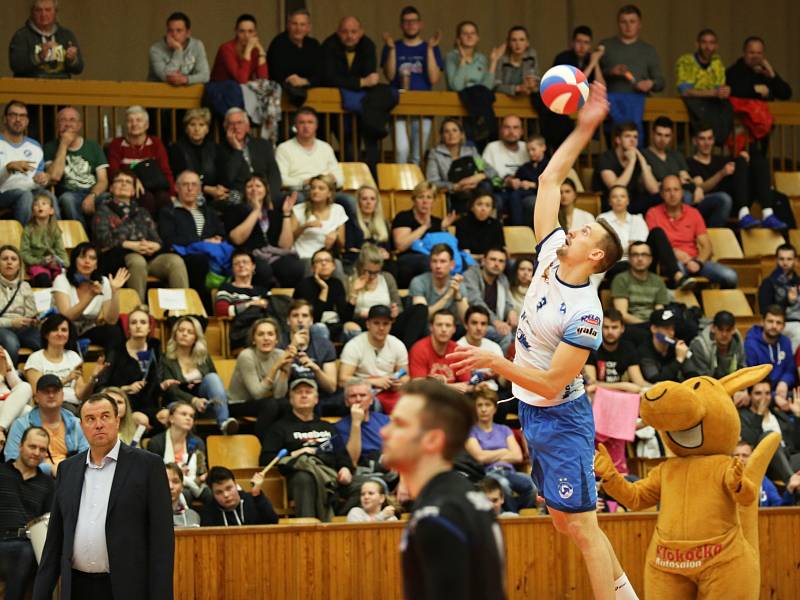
(744, 378)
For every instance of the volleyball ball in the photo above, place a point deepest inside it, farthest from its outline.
(564, 89)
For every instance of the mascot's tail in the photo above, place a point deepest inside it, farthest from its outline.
(754, 471)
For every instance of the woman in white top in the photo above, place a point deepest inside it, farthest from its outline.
(15, 394)
(629, 228)
(66, 364)
(89, 301)
(319, 221)
(374, 505)
(569, 216)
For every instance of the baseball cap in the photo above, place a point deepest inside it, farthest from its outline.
(663, 317)
(379, 311)
(48, 381)
(295, 382)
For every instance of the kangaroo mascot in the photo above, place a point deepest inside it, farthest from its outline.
(706, 540)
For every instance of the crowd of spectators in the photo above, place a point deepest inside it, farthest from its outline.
(244, 216)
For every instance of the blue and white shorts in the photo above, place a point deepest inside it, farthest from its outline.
(561, 441)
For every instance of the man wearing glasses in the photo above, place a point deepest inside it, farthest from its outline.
(637, 292)
(127, 236)
(21, 163)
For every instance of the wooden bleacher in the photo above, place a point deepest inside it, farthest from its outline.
(340, 561)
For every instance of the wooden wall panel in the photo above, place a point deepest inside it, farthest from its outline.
(361, 562)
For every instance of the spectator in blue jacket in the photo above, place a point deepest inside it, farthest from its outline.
(769, 495)
(766, 344)
(66, 436)
(782, 287)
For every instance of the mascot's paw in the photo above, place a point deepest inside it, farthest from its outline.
(603, 464)
(733, 476)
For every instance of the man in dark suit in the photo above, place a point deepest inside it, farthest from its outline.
(131, 557)
(242, 155)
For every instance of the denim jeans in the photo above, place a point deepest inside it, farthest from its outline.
(13, 339)
(213, 390)
(715, 208)
(515, 483)
(401, 141)
(21, 202)
(520, 207)
(17, 566)
(716, 273)
(72, 206)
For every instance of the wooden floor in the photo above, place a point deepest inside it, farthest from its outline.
(343, 562)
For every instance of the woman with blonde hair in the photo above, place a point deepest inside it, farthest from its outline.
(375, 504)
(188, 374)
(372, 286)
(319, 221)
(411, 225)
(370, 225)
(129, 420)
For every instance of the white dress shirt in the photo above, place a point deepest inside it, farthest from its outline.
(89, 551)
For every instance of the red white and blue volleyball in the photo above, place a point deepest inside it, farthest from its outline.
(564, 89)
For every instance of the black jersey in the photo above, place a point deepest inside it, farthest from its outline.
(452, 546)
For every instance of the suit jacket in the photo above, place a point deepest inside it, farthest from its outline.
(139, 531)
(233, 170)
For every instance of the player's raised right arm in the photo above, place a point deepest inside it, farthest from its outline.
(548, 199)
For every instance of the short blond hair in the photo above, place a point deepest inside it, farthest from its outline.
(421, 188)
(203, 114)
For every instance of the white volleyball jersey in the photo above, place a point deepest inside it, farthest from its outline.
(555, 312)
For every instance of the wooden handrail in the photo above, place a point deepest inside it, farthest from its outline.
(326, 100)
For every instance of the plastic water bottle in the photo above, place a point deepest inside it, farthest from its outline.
(477, 377)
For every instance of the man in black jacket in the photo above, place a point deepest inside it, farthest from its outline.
(229, 506)
(25, 493)
(188, 222)
(301, 433)
(752, 76)
(357, 73)
(294, 57)
(243, 155)
(663, 357)
(452, 546)
(110, 533)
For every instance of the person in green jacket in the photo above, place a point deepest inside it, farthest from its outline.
(42, 245)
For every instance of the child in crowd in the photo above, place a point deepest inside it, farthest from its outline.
(478, 230)
(375, 505)
(42, 246)
(526, 182)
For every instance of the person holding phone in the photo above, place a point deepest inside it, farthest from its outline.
(664, 357)
(134, 367)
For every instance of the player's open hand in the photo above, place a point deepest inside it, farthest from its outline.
(595, 110)
(470, 358)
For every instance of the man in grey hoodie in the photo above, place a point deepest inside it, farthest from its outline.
(42, 48)
(717, 350)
